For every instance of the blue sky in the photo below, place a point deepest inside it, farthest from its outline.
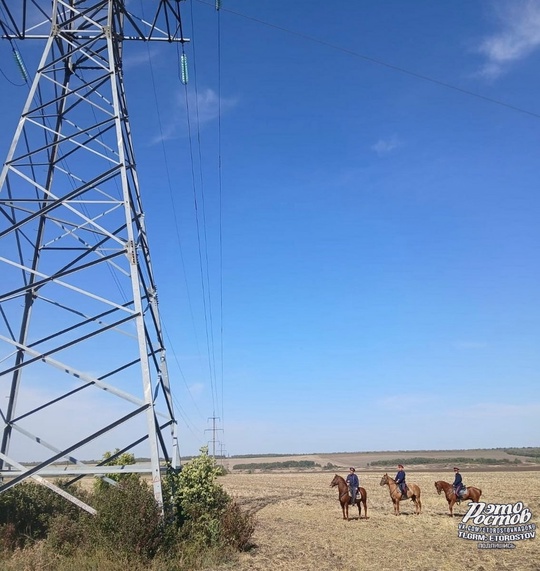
(366, 177)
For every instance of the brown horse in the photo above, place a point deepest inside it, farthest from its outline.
(471, 494)
(345, 498)
(413, 492)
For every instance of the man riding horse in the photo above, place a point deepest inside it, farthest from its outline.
(400, 480)
(458, 484)
(353, 483)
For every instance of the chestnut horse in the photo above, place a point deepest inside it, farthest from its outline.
(413, 492)
(345, 498)
(471, 494)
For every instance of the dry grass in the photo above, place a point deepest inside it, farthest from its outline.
(300, 525)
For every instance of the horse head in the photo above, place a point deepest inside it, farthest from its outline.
(335, 481)
(384, 480)
(438, 487)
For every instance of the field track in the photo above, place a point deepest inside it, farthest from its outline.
(300, 525)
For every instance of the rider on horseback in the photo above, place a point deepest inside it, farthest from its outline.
(400, 480)
(458, 483)
(354, 484)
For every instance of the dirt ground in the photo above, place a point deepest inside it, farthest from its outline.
(300, 524)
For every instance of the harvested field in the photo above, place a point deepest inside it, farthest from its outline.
(300, 525)
(438, 459)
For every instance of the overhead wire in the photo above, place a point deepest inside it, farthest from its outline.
(220, 189)
(200, 220)
(380, 62)
(178, 238)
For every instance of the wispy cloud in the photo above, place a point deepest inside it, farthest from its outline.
(135, 60)
(517, 37)
(384, 146)
(196, 389)
(203, 107)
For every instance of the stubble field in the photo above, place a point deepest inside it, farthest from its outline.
(300, 525)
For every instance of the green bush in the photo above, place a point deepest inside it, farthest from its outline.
(128, 519)
(207, 515)
(203, 527)
(28, 508)
(66, 535)
(125, 459)
(237, 527)
(194, 490)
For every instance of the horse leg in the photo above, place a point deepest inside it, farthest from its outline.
(358, 503)
(451, 506)
(365, 508)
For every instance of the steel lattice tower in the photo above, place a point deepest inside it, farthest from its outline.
(79, 322)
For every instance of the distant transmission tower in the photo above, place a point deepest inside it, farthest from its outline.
(80, 331)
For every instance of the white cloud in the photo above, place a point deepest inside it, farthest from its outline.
(384, 146)
(196, 389)
(518, 36)
(135, 60)
(204, 106)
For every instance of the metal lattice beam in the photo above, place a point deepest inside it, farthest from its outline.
(79, 319)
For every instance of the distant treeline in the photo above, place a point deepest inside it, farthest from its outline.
(456, 460)
(277, 465)
(524, 451)
(532, 451)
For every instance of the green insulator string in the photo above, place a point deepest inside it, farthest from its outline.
(184, 69)
(218, 4)
(20, 65)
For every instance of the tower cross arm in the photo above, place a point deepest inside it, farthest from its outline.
(30, 19)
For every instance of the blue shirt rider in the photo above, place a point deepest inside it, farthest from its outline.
(353, 483)
(400, 479)
(458, 482)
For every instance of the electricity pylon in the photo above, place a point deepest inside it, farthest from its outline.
(80, 331)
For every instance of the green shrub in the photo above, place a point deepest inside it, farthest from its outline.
(128, 519)
(125, 459)
(237, 527)
(203, 527)
(194, 490)
(66, 535)
(222, 471)
(28, 509)
(206, 514)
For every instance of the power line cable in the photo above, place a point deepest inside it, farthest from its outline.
(220, 184)
(200, 249)
(380, 62)
(178, 238)
(206, 273)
